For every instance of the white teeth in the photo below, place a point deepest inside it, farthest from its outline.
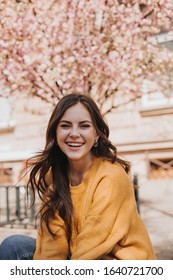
(74, 144)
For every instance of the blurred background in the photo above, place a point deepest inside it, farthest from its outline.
(120, 53)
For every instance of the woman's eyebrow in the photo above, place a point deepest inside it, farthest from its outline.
(64, 121)
(85, 121)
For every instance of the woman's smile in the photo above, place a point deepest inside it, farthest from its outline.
(74, 146)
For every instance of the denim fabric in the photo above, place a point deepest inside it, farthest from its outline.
(17, 247)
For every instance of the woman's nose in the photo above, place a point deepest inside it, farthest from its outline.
(74, 132)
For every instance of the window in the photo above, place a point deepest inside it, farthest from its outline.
(155, 103)
(161, 169)
(6, 175)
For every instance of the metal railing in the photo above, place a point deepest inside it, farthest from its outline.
(14, 209)
(136, 192)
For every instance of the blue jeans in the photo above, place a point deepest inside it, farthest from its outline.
(17, 247)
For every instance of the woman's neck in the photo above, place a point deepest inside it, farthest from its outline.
(79, 170)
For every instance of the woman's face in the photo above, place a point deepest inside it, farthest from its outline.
(76, 133)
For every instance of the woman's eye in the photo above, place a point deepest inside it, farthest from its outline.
(85, 126)
(67, 126)
(64, 125)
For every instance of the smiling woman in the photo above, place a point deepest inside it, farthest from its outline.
(88, 210)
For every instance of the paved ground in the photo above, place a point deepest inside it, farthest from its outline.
(7, 231)
(157, 213)
(156, 210)
(160, 226)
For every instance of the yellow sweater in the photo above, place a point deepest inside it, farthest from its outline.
(107, 224)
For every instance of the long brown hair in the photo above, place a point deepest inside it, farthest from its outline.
(50, 166)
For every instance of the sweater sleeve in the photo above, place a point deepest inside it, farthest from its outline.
(49, 247)
(109, 219)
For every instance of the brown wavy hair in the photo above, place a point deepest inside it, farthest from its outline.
(50, 166)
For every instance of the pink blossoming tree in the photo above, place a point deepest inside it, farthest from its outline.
(49, 48)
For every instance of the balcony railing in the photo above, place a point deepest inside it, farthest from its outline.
(14, 209)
